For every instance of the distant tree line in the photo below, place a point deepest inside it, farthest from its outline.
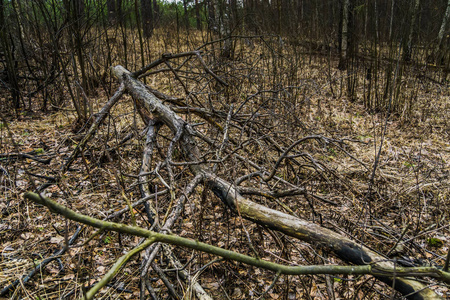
(52, 48)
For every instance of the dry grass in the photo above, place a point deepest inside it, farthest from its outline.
(411, 184)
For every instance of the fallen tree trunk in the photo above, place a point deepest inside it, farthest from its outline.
(344, 248)
(154, 237)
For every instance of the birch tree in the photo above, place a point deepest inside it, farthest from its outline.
(344, 34)
(407, 47)
(441, 33)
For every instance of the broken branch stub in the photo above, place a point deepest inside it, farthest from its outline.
(344, 248)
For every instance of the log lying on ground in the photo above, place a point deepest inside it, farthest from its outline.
(344, 248)
(154, 237)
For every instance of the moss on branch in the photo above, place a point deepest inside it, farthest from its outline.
(372, 269)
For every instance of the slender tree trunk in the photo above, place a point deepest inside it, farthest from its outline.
(218, 16)
(300, 10)
(407, 48)
(391, 22)
(155, 14)
(377, 28)
(344, 35)
(78, 17)
(75, 17)
(279, 16)
(6, 44)
(112, 11)
(186, 16)
(348, 48)
(211, 15)
(366, 18)
(233, 12)
(119, 11)
(225, 28)
(147, 22)
(441, 33)
(147, 17)
(197, 15)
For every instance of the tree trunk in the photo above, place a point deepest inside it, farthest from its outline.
(112, 11)
(186, 16)
(279, 16)
(155, 14)
(407, 47)
(299, 11)
(223, 20)
(197, 15)
(377, 28)
(229, 194)
(119, 11)
(441, 33)
(391, 21)
(7, 45)
(147, 17)
(209, 7)
(233, 12)
(344, 33)
(75, 17)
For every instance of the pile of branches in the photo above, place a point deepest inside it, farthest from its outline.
(252, 154)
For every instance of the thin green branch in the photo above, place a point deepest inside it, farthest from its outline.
(116, 267)
(372, 269)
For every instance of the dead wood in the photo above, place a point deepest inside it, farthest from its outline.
(375, 269)
(151, 252)
(56, 255)
(101, 116)
(337, 244)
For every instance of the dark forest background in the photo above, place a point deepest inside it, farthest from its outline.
(55, 48)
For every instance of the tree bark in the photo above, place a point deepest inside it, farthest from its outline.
(344, 35)
(147, 17)
(391, 21)
(185, 15)
(112, 11)
(7, 45)
(155, 14)
(152, 237)
(441, 33)
(407, 48)
(76, 18)
(197, 15)
(341, 246)
(211, 15)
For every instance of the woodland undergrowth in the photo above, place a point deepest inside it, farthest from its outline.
(286, 93)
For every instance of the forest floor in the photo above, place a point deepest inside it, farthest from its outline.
(408, 194)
